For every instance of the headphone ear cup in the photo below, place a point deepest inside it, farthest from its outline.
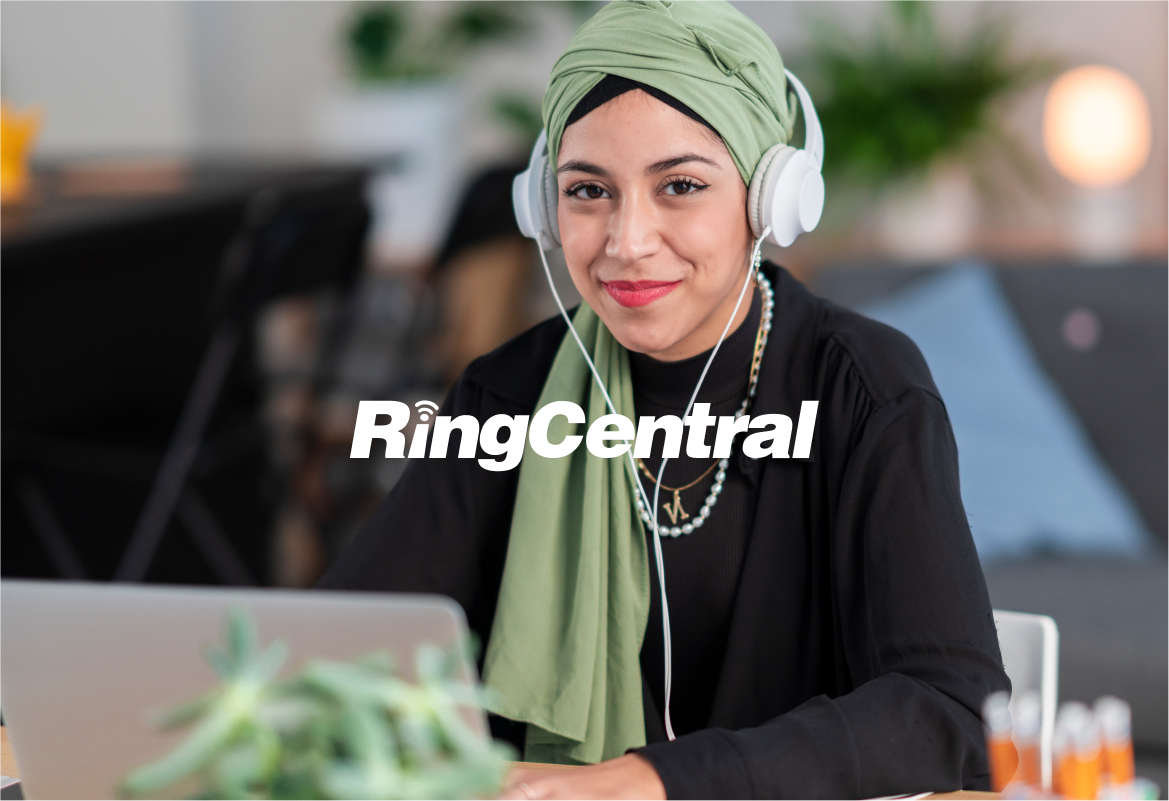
(763, 184)
(533, 198)
(550, 195)
(787, 194)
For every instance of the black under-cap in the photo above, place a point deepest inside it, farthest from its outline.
(612, 86)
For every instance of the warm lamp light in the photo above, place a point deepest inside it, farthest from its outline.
(1096, 127)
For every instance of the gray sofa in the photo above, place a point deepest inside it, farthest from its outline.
(1111, 612)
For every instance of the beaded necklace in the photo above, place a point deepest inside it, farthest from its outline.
(676, 512)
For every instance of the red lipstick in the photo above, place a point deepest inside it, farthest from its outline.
(639, 293)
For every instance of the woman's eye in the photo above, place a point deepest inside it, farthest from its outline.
(682, 188)
(587, 192)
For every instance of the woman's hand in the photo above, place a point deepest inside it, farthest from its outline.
(630, 776)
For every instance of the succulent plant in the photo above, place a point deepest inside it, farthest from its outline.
(332, 730)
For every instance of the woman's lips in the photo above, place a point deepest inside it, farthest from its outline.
(639, 293)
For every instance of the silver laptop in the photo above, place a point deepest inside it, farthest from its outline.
(83, 666)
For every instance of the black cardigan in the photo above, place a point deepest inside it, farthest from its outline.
(861, 643)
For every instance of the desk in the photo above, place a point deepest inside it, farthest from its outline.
(957, 796)
(8, 768)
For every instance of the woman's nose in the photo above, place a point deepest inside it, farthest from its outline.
(633, 232)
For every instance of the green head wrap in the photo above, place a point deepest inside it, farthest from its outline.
(705, 54)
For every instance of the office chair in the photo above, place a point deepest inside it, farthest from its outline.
(1030, 650)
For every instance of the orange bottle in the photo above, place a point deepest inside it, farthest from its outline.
(1000, 749)
(1077, 746)
(1028, 721)
(1115, 718)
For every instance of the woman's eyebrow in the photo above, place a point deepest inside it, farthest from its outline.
(669, 164)
(582, 166)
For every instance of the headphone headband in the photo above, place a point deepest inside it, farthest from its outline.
(813, 133)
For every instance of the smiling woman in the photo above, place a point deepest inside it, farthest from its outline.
(693, 624)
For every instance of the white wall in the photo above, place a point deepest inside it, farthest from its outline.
(193, 78)
(261, 68)
(111, 76)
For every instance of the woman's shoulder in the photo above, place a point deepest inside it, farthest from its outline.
(886, 362)
(883, 361)
(517, 369)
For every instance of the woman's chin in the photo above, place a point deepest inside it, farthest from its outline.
(652, 329)
(643, 337)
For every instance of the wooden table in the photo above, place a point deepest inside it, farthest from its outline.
(960, 794)
(8, 768)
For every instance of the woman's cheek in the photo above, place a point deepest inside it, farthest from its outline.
(578, 271)
(575, 233)
(583, 239)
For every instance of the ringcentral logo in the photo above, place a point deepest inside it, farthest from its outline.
(503, 436)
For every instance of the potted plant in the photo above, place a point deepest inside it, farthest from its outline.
(401, 108)
(332, 730)
(909, 116)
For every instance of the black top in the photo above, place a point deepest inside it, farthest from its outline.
(861, 642)
(702, 569)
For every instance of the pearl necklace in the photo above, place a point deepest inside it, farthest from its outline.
(721, 476)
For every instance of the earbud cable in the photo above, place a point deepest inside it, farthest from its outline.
(667, 645)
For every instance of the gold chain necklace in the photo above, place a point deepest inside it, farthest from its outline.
(675, 510)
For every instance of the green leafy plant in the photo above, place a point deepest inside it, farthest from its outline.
(893, 105)
(521, 113)
(332, 730)
(394, 41)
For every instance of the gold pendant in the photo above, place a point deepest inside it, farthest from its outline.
(676, 512)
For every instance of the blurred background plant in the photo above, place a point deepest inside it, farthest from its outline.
(333, 730)
(409, 66)
(914, 120)
(394, 41)
(521, 113)
(896, 102)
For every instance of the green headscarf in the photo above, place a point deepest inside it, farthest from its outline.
(706, 54)
(564, 652)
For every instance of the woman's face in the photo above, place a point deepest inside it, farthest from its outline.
(653, 220)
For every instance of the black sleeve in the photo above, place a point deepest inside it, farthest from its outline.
(916, 632)
(444, 526)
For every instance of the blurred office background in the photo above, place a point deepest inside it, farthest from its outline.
(226, 223)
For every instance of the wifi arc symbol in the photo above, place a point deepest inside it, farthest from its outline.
(426, 409)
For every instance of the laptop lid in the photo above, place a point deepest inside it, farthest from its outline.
(85, 665)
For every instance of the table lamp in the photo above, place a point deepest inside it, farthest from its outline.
(1097, 133)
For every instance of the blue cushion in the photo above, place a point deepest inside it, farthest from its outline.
(1031, 480)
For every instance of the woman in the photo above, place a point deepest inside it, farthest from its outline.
(829, 630)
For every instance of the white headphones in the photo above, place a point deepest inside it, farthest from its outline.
(786, 192)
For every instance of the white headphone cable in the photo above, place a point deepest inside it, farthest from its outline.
(584, 352)
(667, 640)
(667, 645)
